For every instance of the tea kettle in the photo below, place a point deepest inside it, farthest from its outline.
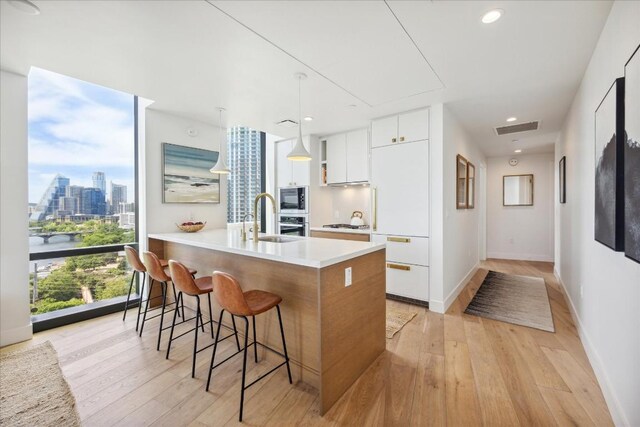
(356, 218)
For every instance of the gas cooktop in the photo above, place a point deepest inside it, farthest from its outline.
(353, 227)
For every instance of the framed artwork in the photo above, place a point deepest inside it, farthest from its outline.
(186, 177)
(461, 182)
(471, 185)
(562, 179)
(609, 173)
(632, 157)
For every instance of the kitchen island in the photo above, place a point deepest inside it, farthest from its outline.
(333, 331)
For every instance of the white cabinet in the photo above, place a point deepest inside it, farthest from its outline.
(288, 172)
(406, 127)
(400, 200)
(400, 187)
(337, 158)
(348, 157)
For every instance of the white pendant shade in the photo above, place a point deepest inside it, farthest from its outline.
(299, 153)
(221, 167)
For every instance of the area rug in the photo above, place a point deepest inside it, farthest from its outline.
(33, 391)
(396, 319)
(521, 300)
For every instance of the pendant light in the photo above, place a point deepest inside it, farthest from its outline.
(299, 153)
(221, 167)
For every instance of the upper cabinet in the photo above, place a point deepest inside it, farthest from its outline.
(347, 158)
(288, 172)
(406, 127)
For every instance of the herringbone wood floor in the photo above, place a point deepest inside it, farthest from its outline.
(451, 369)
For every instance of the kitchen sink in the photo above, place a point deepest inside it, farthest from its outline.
(276, 239)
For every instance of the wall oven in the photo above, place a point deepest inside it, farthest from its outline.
(293, 225)
(293, 200)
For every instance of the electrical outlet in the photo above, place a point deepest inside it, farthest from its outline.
(347, 276)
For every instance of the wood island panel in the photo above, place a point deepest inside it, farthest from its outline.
(343, 236)
(333, 332)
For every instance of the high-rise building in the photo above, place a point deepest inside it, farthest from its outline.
(68, 205)
(118, 198)
(93, 202)
(99, 182)
(245, 180)
(75, 191)
(50, 200)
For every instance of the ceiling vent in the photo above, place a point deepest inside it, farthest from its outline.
(287, 123)
(520, 127)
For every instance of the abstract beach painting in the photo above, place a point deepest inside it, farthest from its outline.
(632, 158)
(609, 190)
(186, 175)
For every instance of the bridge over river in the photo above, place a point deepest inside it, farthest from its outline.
(33, 232)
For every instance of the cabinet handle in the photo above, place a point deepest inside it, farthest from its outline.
(399, 239)
(393, 140)
(374, 196)
(399, 267)
(401, 138)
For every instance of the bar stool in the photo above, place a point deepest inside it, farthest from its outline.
(158, 274)
(186, 284)
(138, 269)
(229, 295)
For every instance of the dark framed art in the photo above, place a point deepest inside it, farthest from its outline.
(632, 157)
(562, 179)
(461, 182)
(471, 185)
(186, 177)
(609, 173)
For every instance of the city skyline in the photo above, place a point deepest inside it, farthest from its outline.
(77, 128)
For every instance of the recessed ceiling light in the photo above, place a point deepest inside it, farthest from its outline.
(25, 6)
(308, 119)
(512, 119)
(492, 16)
(518, 151)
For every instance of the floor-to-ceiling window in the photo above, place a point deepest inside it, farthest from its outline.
(246, 158)
(82, 194)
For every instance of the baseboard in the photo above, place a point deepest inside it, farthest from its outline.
(436, 306)
(520, 257)
(617, 414)
(456, 291)
(16, 335)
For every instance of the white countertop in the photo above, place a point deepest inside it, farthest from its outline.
(342, 230)
(306, 251)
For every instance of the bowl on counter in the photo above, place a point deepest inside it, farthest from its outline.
(191, 227)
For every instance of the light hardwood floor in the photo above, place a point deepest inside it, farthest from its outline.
(451, 369)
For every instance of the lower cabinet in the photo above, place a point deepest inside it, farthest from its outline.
(407, 265)
(342, 236)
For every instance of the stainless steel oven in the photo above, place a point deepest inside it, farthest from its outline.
(293, 200)
(293, 225)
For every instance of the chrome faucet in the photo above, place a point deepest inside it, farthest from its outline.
(255, 212)
(244, 232)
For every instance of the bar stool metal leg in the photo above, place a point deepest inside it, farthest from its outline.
(215, 346)
(255, 341)
(210, 313)
(173, 324)
(195, 341)
(146, 307)
(164, 304)
(235, 330)
(126, 304)
(284, 344)
(244, 366)
(141, 293)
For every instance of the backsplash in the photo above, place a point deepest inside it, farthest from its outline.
(346, 200)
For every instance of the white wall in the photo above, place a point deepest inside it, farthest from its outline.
(15, 318)
(461, 226)
(521, 232)
(162, 217)
(603, 286)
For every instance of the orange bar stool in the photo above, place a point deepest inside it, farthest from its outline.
(231, 298)
(186, 284)
(157, 273)
(138, 269)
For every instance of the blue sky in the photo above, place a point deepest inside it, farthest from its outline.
(76, 128)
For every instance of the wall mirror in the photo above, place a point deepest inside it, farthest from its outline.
(461, 182)
(471, 185)
(517, 190)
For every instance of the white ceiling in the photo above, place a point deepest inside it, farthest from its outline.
(382, 57)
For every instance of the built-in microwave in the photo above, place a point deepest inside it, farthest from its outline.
(293, 200)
